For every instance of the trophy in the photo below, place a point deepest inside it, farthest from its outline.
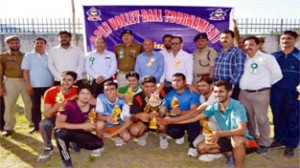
(60, 98)
(92, 116)
(153, 104)
(207, 130)
(130, 94)
(174, 104)
(298, 89)
(116, 112)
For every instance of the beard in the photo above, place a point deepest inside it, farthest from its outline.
(15, 49)
(168, 47)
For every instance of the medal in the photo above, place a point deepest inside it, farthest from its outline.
(254, 67)
(92, 59)
(177, 62)
(151, 61)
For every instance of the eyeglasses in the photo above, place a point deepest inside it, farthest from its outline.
(176, 43)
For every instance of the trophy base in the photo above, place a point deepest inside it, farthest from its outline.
(209, 143)
(153, 127)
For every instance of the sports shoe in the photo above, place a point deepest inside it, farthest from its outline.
(118, 142)
(7, 133)
(67, 164)
(142, 140)
(229, 161)
(209, 157)
(262, 150)
(163, 141)
(276, 144)
(46, 154)
(289, 152)
(96, 152)
(33, 129)
(179, 141)
(192, 152)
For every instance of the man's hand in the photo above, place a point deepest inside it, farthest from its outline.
(100, 79)
(2, 91)
(29, 89)
(144, 117)
(110, 119)
(214, 137)
(128, 99)
(163, 121)
(88, 126)
(175, 111)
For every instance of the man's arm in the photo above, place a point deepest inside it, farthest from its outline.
(240, 131)
(27, 82)
(50, 109)
(51, 64)
(239, 67)
(80, 67)
(189, 70)
(160, 69)
(61, 123)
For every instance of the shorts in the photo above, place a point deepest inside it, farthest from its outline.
(225, 145)
(111, 130)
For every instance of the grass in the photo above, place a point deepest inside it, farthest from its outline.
(22, 149)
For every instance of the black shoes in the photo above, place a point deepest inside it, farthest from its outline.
(33, 129)
(276, 144)
(289, 152)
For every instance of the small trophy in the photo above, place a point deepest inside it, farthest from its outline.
(92, 116)
(153, 104)
(174, 104)
(116, 112)
(130, 94)
(298, 89)
(60, 98)
(207, 130)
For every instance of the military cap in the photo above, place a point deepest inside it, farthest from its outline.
(12, 38)
(200, 36)
(126, 32)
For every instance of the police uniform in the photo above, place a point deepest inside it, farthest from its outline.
(14, 84)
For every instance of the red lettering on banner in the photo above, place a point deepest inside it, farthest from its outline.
(213, 33)
(172, 17)
(107, 29)
(97, 33)
(190, 20)
(203, 25)
(134, 16)
(209, 28)
(215, 39)
(167, 17)
(159, 15)
(184, 19)
(123, 20)
(113, 24)
(92, 38)
(119, 21)
(196, 23)
(179, 17)
(144, 15)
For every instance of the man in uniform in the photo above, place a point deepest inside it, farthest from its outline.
(126, 55)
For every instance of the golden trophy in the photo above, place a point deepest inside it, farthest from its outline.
(207, 131)
(298, 89)
(92, 116)
(174, 104)
(153, 104)
(60, 98)
(130, 93)
(116, 112)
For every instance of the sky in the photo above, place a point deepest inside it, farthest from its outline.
(63, 8)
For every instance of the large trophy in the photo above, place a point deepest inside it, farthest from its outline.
(60, 98)
(130, 94)
(116, 113)
(174, 104)
(207, 131)
(153, 104)
(92, 116)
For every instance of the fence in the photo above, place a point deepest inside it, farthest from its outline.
(54, 25)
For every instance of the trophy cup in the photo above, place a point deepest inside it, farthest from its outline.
(60, 98)
(153, 104)
(174, 104)
(116, 112)
(207, 130)
(130, 94)
(92, 116)
(298, 89)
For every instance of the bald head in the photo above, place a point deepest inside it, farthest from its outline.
(100, 44)
(148, 45)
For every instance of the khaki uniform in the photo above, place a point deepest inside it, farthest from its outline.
(14, 84)
(202, 63)
(126, 57)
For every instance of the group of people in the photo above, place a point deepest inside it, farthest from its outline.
(230, 90)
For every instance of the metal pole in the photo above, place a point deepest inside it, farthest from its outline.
(73, 23)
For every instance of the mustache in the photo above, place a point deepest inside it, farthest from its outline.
(225, 41)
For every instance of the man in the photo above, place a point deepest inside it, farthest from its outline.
(186, 100)
(149, 62)
(126, 55)
(260, 72)
(232, 118)
(73, 124)
(178, 61)
(113, 115)
(101, 65)
(204, 59)
(65, 57)
(52, 106)
(38, 78)
(229, 64)
(14, 84)
(167, 44)
(284, 103)
(132, 83)
(141, 118)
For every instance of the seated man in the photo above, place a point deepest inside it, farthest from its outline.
(51, 106)
(113, 115)
(74, 124)
(133, 83)
(140, 118)
(232, 119)
(178, 101)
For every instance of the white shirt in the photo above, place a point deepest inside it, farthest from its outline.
(213, 123)
(101, 65)
(260, 71)
(211, 99)
(181, 63)
(70, 59)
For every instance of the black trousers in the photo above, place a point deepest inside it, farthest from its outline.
(79, 82)
(178, 131)
(2, 110)
(98, 88)
(36, 114)
(83, 139)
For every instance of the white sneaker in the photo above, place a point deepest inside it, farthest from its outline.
(163, 141)
(119, 142)
(179, 141)
(206, 157)
(97, 152)
(192, 152)
(142, 140)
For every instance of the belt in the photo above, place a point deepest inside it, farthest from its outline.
(203, 75)
(258, 90)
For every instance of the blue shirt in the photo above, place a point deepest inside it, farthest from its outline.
(290, 67)
(234, 114)
(39, 73)
(104, 107)
(229, 65)
(185, 99)
(152, 65)
(101, 65)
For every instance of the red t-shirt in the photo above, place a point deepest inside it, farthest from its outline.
(50, 95)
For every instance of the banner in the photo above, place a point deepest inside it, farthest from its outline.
(154, 22)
